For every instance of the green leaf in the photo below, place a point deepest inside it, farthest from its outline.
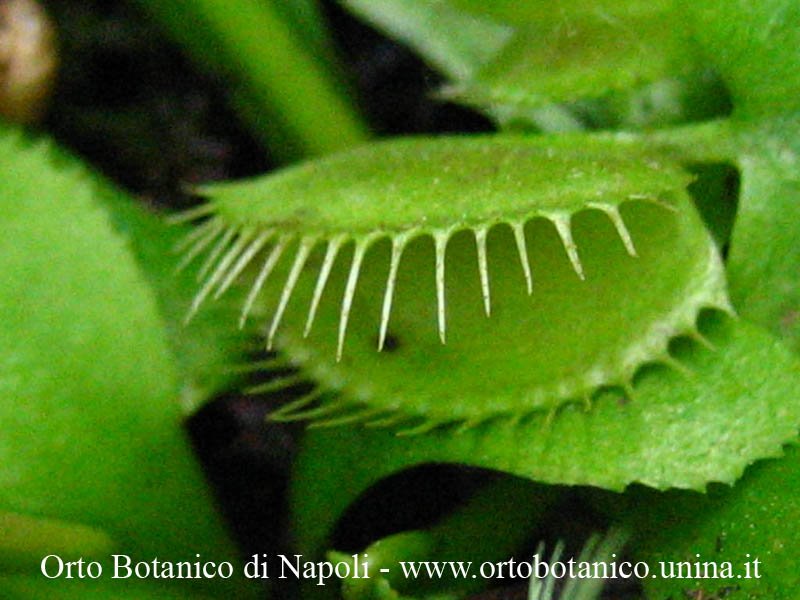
(89, 416)
(756, 519)
(455, 43)
(755, 46)
(27, 539)
(764, 255)
(208, 348)
(616, 64)
(566, 57)
(612, 209)
(678, 431)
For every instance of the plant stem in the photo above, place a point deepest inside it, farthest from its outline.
(280, 86)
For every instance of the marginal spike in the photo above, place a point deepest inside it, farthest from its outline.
(519, 238)
(595, 549)
(627, 387)
(540, 548)
(219, 272)
(218, 249)
(244, 260)
(398, 245)
(589, 548)
(215, 227)
(483, 269)
(327, 264)
(349, 292)
(388, 421)
(465, 426)
(275, 384)
(269, 264)
(619, 224)
(303, 250)
(257, 366)
(514, 419)
(654, 200)
(440, 241)
(296, 405)
(194, 234)
(550, 418)
(698, 337)
(421, 429)
(550, 582)
(191, 214)
(328, 408)
(536, 584)
(667, 359)
(356, 417)
(723, 302)
(564, 228)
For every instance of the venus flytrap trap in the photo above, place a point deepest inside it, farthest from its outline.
(611, 53)
(474, 533)
(414, 239)
(600, 550)
(467, 549)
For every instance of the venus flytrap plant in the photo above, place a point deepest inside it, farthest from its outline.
(746, 152)
(403, 245)
(712, 407)
(363, 227)
(551, 307)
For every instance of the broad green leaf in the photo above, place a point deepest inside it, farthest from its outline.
(566, 57)
(756, 519)
(600, 221)
(90, 421)
(615, 64)
(755, 46)
(764, 261)
(677, 431)
(207, 349)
